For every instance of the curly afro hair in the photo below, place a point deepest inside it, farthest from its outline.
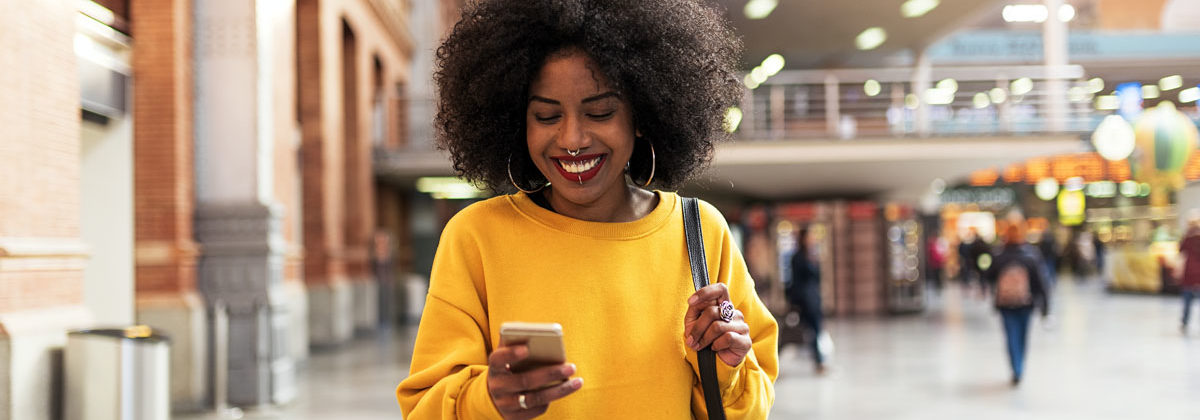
(674, 60)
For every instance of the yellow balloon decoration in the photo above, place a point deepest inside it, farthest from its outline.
(1165, 139)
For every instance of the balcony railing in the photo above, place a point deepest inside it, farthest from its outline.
(951, 101)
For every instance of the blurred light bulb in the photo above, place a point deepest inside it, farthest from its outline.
(872, 87)
(759, 9)
(917, 8)
(981, 100)
(1170, 82)
(1021, 86)
(997, 95)
(870, 38)
(773, 64)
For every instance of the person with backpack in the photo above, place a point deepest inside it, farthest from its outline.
(1016, 277)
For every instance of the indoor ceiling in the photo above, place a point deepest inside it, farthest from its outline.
(821, 33)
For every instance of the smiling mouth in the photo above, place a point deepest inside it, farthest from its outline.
(579, 168)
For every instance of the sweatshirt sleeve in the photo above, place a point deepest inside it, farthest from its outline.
(448, 375)
(747, 390)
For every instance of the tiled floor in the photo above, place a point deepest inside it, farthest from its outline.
(1104, 356)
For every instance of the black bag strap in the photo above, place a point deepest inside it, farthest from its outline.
(706, 358)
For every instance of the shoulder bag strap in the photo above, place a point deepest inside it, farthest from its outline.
(706, 358)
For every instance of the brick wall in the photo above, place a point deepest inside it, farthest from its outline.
(163, 145)
(339, 213)
(39, 158)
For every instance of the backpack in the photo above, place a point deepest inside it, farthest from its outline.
(1012, 286)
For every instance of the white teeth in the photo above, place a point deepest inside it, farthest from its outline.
(580, 166)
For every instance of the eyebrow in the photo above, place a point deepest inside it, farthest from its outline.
(609, 94)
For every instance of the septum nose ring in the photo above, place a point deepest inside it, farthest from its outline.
(574, 153)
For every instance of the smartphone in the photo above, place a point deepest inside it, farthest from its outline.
(545, 343)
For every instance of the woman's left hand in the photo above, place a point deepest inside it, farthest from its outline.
(703, 326)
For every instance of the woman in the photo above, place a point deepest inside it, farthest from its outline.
(804, 293)
(581, 106)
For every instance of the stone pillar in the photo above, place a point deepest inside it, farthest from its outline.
(1054, 45)
(238, 219)
(165, 251)
(921, 82)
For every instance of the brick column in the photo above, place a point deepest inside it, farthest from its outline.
(330, 296)
(239, 221)
(42, 255)
(165, 253)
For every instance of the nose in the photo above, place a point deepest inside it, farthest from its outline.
(571, 135)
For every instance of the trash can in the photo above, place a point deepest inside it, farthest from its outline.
(117, 374)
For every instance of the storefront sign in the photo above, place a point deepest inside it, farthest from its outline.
(998, 197)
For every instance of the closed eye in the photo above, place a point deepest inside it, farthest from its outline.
(602, 116)
(546, 119)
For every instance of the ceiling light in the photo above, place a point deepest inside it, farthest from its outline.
(1113, 138)
(758, 9)
(1066, 13)
(749, 81)
(870, 38)
(1036, 13)
(939, 96)
(1150, 92)
(1189, 95)
(1021, 86)
(997, 95)
(981, 100)
(1107, 102)
(911, 101)
(1078, 94)
(733, 117)
(1024, 13)
(773, 64)
(948, 84)
(917, 8)
(1095, 85)
(872, 87)
(1170, 82)
(759, 75)
(448, 188)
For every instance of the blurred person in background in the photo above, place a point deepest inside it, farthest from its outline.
(1189, 282)
(935, 251)
(578, 107)
(1048, 246)
(804, 293)
(976, 250)
(1016, 278)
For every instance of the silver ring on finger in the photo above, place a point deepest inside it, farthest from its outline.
(727, 311)
(521, 401)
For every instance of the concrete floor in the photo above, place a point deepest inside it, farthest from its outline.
(1103, 356)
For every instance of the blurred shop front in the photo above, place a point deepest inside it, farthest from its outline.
(870, 254)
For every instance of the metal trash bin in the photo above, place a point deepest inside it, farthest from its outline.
(117, 374)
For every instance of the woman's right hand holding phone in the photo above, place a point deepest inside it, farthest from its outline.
(525, 395)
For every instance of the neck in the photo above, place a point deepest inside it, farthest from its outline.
(623, 205)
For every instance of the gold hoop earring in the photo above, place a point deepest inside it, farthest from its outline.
(514, 182)
(653, 164)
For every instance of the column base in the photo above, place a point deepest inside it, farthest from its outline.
(330, 313)
(181, 317)
(31, 360)
(366, 306)
(297, 297)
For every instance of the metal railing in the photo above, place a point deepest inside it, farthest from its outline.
(950, 101)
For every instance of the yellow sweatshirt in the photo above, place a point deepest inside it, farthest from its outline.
(620, 292)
